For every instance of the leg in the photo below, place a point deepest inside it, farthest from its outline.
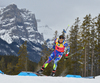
(56, 61)
(46, 63)
(49, 60)
(55, 65)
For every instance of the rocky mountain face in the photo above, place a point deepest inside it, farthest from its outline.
(16, 26)
(18, 23)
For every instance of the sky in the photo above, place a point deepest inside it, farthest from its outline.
(57, 14)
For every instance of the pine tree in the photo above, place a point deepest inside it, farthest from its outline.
(98, 43)
(72, 63)
(23, 57)
(45, 54)
(9, 69)
(93, 43)
(55, 35)
(85, 34)
(2, 64)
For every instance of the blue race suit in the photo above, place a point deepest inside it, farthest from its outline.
(57, 53)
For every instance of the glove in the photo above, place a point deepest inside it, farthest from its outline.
(66, 57)
(53, 49)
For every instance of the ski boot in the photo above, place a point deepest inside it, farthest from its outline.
(40, 71)
(53, 73)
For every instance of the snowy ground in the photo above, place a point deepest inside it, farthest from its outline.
(44, 79)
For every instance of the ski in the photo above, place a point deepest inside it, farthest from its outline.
(38, 74)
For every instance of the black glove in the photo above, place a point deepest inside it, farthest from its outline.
(65, 59)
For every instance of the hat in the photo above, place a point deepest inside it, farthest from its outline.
(61, 37)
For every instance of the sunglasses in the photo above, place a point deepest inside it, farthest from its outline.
(61, 37)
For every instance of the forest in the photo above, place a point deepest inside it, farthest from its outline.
(84, 40)
(84, 57)
(13, 65)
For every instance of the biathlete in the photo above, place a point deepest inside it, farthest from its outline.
(60, 47)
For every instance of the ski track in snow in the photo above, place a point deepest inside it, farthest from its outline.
(44, 79)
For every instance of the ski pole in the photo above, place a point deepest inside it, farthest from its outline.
(74, 53)
(65, 31)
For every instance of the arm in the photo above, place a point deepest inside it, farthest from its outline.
(66, 52)
(54, 44)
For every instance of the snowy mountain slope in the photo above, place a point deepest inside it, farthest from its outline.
(48, 33)
(18, 23)
(43, 79)
(13, 48)
(16, 26)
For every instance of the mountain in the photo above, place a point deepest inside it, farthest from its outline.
(16, 26)
(18, 23)
(48, 33)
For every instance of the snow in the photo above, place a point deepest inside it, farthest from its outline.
(15, 37)
(5, 25)
(21, 27)
(30, 29)
(27, 23)
(6, 10)
(36, 48)
(13, 19)
(2, 31)
(24, 39)
(44, 79)
(1, 11)
(48, 33)
(7, 38)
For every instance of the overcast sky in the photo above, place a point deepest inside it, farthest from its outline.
(57, 14)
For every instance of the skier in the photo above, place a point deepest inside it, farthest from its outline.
(60, 47)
